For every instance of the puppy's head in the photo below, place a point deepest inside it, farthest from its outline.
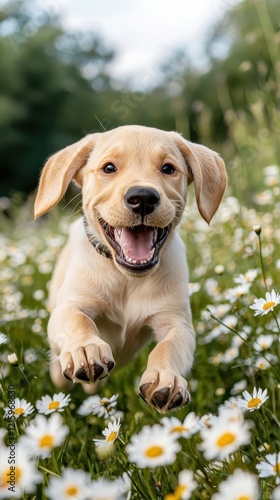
(134, 185)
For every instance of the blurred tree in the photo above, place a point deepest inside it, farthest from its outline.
(244, 57)
(50, 86)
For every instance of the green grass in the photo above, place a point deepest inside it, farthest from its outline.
(28, 252)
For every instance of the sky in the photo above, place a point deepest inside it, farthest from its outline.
(144, 33)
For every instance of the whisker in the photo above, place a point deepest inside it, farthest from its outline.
(78, 194)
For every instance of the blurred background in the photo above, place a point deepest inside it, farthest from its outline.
(208, 69)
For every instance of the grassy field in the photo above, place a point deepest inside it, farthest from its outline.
(210, 449)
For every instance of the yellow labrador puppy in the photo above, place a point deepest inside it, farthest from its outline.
(122, 278)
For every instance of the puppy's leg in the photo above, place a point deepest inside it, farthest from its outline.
(75, 339)
(163, 384)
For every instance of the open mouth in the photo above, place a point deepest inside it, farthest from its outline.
(136, 247)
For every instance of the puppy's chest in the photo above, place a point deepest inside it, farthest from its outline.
(124, 324)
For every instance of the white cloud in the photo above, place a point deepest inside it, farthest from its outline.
(144, 33)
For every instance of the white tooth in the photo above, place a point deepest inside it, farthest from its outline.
(155, 235)
(134, 262)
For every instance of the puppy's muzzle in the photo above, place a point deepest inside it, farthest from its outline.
(142, 200)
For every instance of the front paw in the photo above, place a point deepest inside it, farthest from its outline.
(86, 362)
(164, 390)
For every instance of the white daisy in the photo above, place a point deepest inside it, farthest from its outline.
(270, 466)
(101, 407)
(88, 405)
(43, 435)
(240, 485)
(233, 294)
(262, 363)
(227, 433)
(254, 402)
(15, 466)
(186, 485)
(3, 338)
(263, 342)
(248, 277)
(238, 387)
(152, 447)
(103, 489)
(20, 407)
(50, 404)
(72, 485)
(263, 306)
(193, 288)
(182, 429)
(111, 433)
(13, 359)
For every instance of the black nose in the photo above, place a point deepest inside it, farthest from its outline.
(141, 200)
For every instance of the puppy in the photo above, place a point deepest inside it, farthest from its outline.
(122, 278)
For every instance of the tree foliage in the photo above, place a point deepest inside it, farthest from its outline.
(56, 86)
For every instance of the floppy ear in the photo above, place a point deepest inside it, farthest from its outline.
(58, 172)
(207, 170)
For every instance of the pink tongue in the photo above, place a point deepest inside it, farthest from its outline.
(135, 245)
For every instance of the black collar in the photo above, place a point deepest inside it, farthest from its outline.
(99, 247)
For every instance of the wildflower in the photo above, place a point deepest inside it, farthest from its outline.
(263, 342)
(26, 475)
(263, 306)
(240, 485)
(248, 277)
(3, 338)
(38, 295)
(262, 363)
(238, 387)
(20, 408)
(102, 489)
(193, 288)
(101, 407)
(254, 402)
(13, 359)
(43, 435)
(270, 466)
(182, 429)
(50, 404)
(219, 269)
(258, 229)
(186, 485)
(152, 447)
(237, 292)
(72, 484)
(230, 354)
(111, 433)
(227, 433)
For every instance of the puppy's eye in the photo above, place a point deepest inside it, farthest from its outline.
(168, 169)
(109, 168)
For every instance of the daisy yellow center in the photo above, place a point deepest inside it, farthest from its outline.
(177, 495)
(179, 428)
(71, 491)
(53, 405)
(154, 451)
(112, 436)
(244, 497)
(254, 402)
(268, 305)
(18, 411)
(6, 476)
(46, 441)
(276, 468)
(225, 439)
